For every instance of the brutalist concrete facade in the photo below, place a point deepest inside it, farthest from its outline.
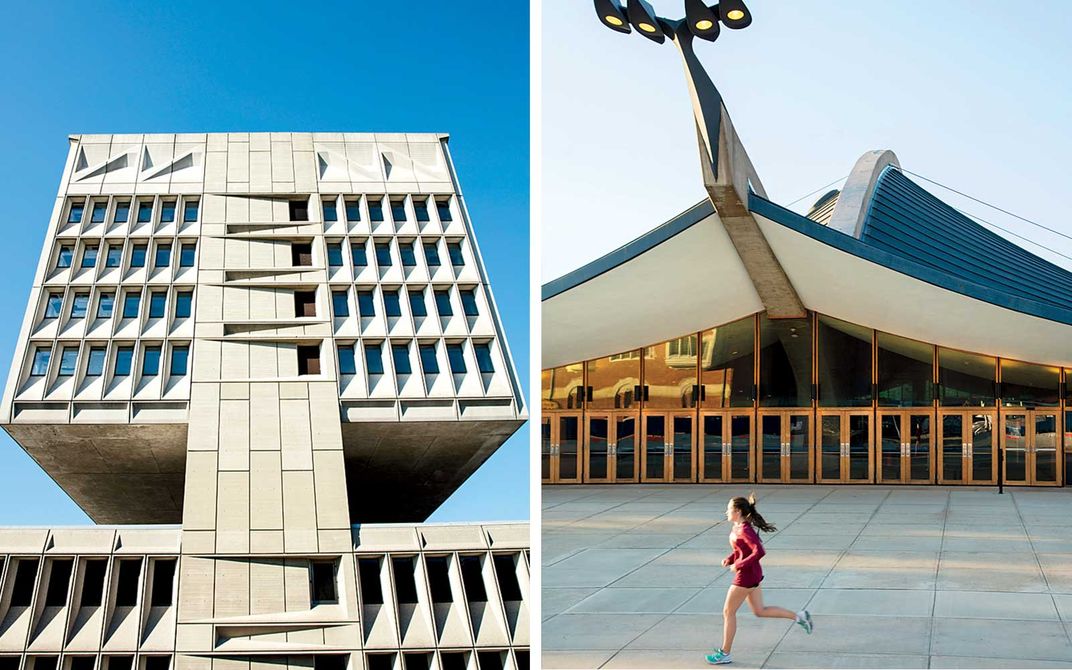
(266, 338)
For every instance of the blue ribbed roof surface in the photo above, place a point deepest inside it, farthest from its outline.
(906, 220)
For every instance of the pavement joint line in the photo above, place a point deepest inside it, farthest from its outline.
(937, 570)
(1045, 579)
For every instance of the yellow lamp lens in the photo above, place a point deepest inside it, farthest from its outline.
(735, 15)
(646, 27)
(613, 20)
(703, 24)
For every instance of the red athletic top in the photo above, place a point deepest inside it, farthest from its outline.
(747, 550)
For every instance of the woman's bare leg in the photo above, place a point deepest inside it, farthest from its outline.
(755, 601)
(735, 597)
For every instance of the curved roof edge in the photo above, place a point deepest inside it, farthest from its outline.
(628, 251)
(851, 245)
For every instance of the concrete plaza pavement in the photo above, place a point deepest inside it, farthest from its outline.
(895, 577)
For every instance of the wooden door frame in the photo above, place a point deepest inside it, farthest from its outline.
(691, 415)
(845, 415)
(586, 458)
(758, 444)
(556, 459)
(724, 454)
(965, 444)
(637, 443)
(644, 416)
(548, 419)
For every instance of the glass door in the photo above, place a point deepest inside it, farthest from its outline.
(741, 436)
(566, 448)
(785, 446)
(771, 447)
(626, 464)
(1045, 446)
(725, 447)
(681, 462)
(654, 449)
(597, 449)
(545, 449)
(906, 447)
(982, 464)
(1015, 426)
(844, 446)
(966, 447)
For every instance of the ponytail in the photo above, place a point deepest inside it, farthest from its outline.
(749, 513)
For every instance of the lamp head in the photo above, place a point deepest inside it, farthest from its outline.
(612, 15)
(702, 20)
(643, 18)
(734, 14)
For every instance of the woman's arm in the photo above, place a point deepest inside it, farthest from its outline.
(751, 539)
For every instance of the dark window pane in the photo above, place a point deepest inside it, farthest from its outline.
(339, 305)
(187, 253)
(157, 304)
(431, 254)
(131, 301)
(157, 662)
(416, 303)
(443, 207)
(65, 257)
(398, 210)
(163, 585)
(79, 306)
(189, 214)
(347, 364)
(309, 360)
(965, 379)
(380, 661)
(93, 583)
(75, 213)
(299, 210)
(844, 364)
(145, 211)
(905, 371)
(438, 569)
(129, 575)
(97, 214)
(405, 252)
(95, 365)
(323, 581)
(429, 363)
(137, 256)
(456, 358)
(784, 362)
(331, 212)
(375, 209)
(122, 211)
(473, 579)
(54, 305)
(383, 254)
(68, 361)
(490, 660)
(163, 255)
(167, 211)
(400, 356)
(1028, 385)
(357, 251)
(727, 360)
(453, 660)
(405, 585)
(114, 257)
(150, 362)
(89, 257)
(180, 359)
(40, 362)
(442, 302)
(506, 573)
(353, 210)
(390, 302)
(368, 570)
(335, 254)
(183, 304)
(469, 302)
(104, 307)
(455, 251)
(366, 306)
(483, 357)
(301, 254)
(124, 356)
(420, 208)
(25, 580)
(373, 359)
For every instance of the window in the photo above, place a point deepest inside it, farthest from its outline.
(131, 301)
(323, 582)
(64, 260)
(439, 578)
(398, 209)
(385, 661)
(443, 208)
(304, 303)
(54, 305)
(368, 572)
(456, 358)
(68, 361)
(189, 212)
(93, 583)
(357, 252)
(137, 256)
(40, 362)
(331, 212)
(506, 575)
(167, 211)
(309, 360)
(455, 251)
(187, 253)
(431, 254)
(428, 359)
(405, 584)
(301, 254)
(150, 362)
(122, 211)
(473, 579)
(89, 257)
(365, 304)
(126, 594)
(145, 211)
(104, 307)
(420, 208)
(375, 209)
(785, 362)
(353, 210)
(124, 356)
(299, 210)
(383, 254)
(347, 363)
(163, 587)
(405, 252)
(114, 256)
(373, 359)
(469, 303)
(80, 306)
(390, 302)
(335, 254)
(25, 579)
(75, 213)
(95, 365)
(456, 660)
(416, 303)
(180, 359)
(483, 357)
(58, 580)
(184, 301)
(157, 304)
(157, 663)
(119, 663)
(400, 356)
(442, 303)
(339, 305)
(97, 214)
(844, 364)
(163, 255)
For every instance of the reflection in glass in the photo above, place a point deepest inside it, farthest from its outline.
(953, 447)
(727, 364)
(712, 447)
(545, 449)
(682, 447)
(740, 446)
(784, 362)
(613, 380)
(1015, 447)
(798, 446)
(654, 446)
(982, 447)
(598, 447)
(1029, 385)
(905, 372)
(670, 374)
(770, 442)
(967, 380)
(567, 446)
(890, 440)
(844, 364)
(562, 387)
(859, 445)
(830, 459)
(1045, 447)
(919, 446)
(625, 447)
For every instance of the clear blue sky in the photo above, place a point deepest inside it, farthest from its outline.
(972, 93)
(110, 67)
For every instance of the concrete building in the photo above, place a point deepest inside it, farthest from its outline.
(284, 348)
(883, 338)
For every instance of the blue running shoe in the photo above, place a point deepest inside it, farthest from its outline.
(719, 657)
(804, 621)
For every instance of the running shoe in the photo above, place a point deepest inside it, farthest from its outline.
(804, 620)
(719, 657)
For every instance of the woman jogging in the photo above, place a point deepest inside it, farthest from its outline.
(744, 562)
